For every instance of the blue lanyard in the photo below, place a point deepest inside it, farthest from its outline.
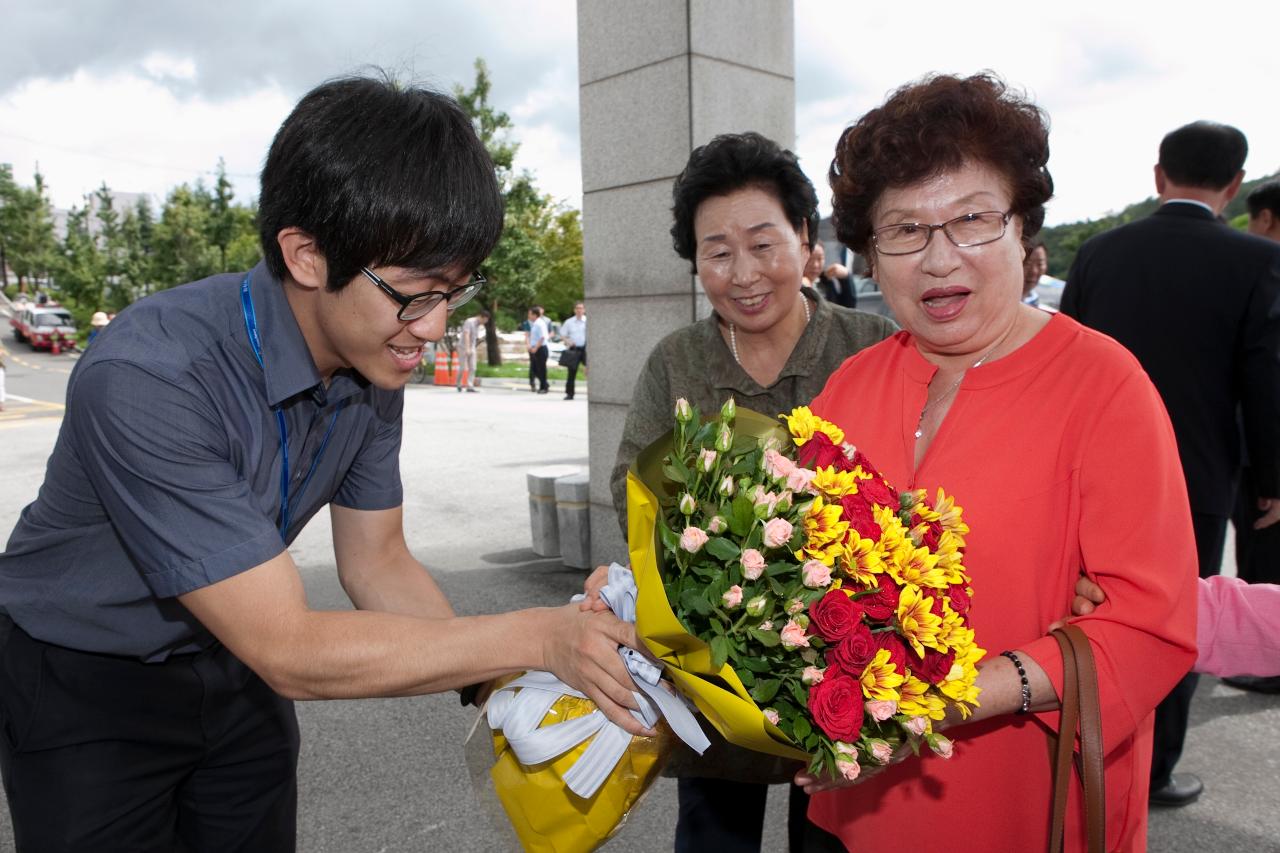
(251, 326)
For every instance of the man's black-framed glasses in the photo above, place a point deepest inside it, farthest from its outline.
(421, 304)
(971, 229)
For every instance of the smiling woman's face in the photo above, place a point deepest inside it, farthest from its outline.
(954, 301)
(750, 260)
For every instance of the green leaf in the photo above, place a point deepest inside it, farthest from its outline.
(741, 518)
(719, 651)
(798, 693)
(746, 676)
(801, 729)
(675, 474)
(755, 664)
(670, 540)
(768, 639)
(780, 568)
(693, 600)
(722, 548)
(765, 690)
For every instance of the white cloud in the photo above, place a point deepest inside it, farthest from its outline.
(189, 85)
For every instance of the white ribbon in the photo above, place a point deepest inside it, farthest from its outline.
(520, 706)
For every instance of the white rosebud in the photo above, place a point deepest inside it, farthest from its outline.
(728, 410)
(687, 504)
(727, 487)
(717, 525)
(684, 412)
(724, 439)
(756, 607)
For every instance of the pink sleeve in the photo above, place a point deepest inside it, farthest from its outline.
(1239, 630)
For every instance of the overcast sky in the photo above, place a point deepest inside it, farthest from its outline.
(147, 95)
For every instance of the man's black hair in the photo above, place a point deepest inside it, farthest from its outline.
(1203, 154)
(735, 161)
(1264, 197)
(380, 174)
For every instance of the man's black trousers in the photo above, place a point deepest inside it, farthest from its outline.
(107, 753)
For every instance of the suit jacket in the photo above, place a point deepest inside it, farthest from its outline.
(837, 290)
(1198, 303)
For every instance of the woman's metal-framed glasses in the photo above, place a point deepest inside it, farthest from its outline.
(421, 304)
(970, 229)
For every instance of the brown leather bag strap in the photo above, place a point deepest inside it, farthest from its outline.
(1080, 706)
(1065, 742)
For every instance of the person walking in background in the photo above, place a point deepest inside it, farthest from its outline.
(1210, 352)
(1257, 550)
(468, 339)
(574, 332)
(539, 335)
(834, 282)
(1034, 265)
(97, 323)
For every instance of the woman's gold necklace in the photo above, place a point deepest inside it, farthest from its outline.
(733, 335)
(929, 404)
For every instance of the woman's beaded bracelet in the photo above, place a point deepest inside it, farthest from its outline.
(1026, 685)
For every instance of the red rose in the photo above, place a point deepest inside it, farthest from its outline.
(836, 706)
(881, 605)
(877, 492)
(855, 651)
(960, 600)
(819, 452)
(857, 512)
(932, 532)
(934, 667)
(897, 649)
(834, 616)
(860, 459)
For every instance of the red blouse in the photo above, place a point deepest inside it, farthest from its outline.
(1061, 456)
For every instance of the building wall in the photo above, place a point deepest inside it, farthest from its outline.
(657, 78)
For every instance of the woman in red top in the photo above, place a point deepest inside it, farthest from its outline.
(1050, 437)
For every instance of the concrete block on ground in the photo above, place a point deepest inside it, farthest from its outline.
(573, 515)
(543, 526)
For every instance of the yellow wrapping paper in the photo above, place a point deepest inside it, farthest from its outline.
(549, 818)
(719, 694)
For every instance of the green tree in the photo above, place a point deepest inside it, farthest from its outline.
(562, 243)
(26, 229)
(183, 251)
(79, 270)
(110, 242)
(222, 221)
(517, 267)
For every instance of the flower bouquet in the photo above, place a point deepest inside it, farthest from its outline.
(806, 607)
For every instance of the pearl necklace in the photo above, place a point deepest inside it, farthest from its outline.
(955, 385)
(733, 334)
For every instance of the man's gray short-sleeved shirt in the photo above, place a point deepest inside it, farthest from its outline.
(166, 474)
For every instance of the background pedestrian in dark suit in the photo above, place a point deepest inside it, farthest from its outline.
(834, 282)
(1198, 303)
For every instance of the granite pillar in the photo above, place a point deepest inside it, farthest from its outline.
(657, 78)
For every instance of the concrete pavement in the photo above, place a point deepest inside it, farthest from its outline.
(389, 775)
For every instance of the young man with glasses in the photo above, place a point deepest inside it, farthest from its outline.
(153, 627)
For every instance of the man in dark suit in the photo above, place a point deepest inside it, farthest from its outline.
(1198, 303)
(833, 282)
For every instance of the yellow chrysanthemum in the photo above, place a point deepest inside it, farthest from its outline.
(824, 532)
(916, 566)
(917, 700)
(892, 533)
(803, 423)
(835, 483)
(950, 559)
(862, 474)
(919, 624)
(861, 560)
(880, 679)
(921, 508)
(950, 516)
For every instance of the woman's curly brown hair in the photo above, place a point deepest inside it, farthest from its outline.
(934, 126)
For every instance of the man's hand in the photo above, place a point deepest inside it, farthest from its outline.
(1270, 508)
(598, 580)
(583, 653)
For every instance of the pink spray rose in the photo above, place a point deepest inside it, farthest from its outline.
(771, 715)
(881, 751)
(752, 564)
(811, 675)
(816, 575)
(693, 539)
(732, 597)
(793, 636)
(916, 725)
(778, 465)
(881, 709)
(848, 767)
(800, 480)
(776, 532)
(941, 746)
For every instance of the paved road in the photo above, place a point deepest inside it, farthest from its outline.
(35, 382)
(389, 776)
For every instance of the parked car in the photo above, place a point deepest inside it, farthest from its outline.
(43, 325)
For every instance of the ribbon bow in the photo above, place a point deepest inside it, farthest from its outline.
(518, 708)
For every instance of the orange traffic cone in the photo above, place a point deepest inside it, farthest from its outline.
(55, 346)
(442, 369)
(453, 368)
